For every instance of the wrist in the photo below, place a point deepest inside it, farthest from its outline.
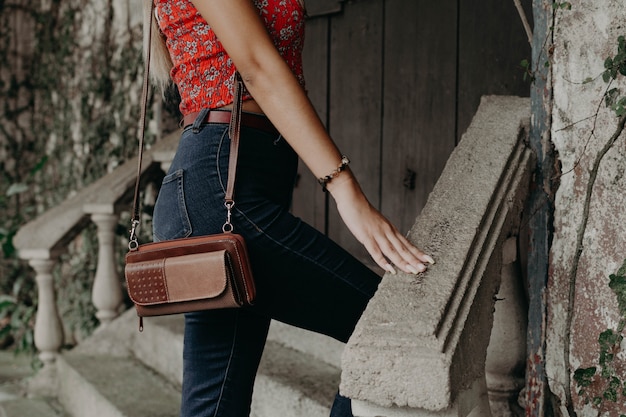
(327, 179)
(345, 187)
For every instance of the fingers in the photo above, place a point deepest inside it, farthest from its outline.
(388, 247)
(379, 258)
(406, 254)
(385, 244)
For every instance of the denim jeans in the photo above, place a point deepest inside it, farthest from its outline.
(302, 277)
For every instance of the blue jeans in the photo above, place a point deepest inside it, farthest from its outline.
(302, 277)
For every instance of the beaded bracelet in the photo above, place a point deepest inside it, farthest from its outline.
(325, 180)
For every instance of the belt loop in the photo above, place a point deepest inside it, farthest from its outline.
(201, 118)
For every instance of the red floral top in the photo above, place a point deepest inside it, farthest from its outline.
(203, 71)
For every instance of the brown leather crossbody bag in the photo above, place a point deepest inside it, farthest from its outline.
(195, 273)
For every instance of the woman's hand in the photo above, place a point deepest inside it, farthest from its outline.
(385, 244)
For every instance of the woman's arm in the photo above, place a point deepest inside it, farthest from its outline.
(274, 87)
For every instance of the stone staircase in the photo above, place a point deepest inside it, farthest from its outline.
(121, 372)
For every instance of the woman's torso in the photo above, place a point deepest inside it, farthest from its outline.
(202, 70)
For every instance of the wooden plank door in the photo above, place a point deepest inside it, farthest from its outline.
(355, 97)
(397, 82)
(419, 102)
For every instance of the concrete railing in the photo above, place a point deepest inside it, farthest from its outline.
(422, 347)
(44, 239)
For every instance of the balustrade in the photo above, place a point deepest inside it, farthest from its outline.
(44, 239)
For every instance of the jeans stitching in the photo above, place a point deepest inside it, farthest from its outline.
(181, 206)
(187, 228)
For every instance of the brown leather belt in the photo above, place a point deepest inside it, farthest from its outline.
(255, 121)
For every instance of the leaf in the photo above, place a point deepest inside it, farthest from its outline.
(615, 383)
(6, 307)
(583, 376)
(607, 339)
(610, 395)
(16, 188)
(617, 283)
(562, 5)
(610, 97)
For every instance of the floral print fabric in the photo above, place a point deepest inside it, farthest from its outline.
(203, 71)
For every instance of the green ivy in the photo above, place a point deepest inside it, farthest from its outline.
(607, 381)
(613, 66)
(565, 5)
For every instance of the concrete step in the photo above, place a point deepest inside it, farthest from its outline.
(320, 347)
(16, 372)
(110, 386)
(293, 383)
(298, 375)
(29, 407)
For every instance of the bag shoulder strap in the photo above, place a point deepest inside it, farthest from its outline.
(234, 131)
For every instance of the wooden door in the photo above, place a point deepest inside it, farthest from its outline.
(396, 83)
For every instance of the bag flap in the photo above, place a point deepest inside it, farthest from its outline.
(197, 276)
(179, 278)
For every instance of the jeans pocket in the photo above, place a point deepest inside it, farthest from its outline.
(171, 220)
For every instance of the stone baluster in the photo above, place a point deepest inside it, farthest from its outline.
(48, 327)
(507, 347)
(107, 291)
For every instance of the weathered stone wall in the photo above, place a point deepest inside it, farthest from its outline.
(580, 303)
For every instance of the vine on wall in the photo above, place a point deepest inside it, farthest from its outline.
(604, 385)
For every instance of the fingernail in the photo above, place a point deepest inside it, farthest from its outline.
(390, 269)
(430, 260)
(412, 269)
